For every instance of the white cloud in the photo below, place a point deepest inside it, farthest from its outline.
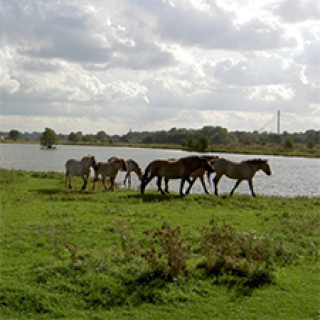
(149, 65)
(299, 10)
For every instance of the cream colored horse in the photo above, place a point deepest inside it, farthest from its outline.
(244, 170)
(132, 166)
(109, 169)
(80, 168)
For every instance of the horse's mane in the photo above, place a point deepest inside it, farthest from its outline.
(254, 161)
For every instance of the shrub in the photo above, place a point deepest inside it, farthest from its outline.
(239, 254)
(165, 250)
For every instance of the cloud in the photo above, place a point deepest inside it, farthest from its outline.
(149, 65)
(215, 28)
(257, 69)
(298, 10)
(310, 54)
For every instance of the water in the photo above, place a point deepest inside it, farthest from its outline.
(290, 177)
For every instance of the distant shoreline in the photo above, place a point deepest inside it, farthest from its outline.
(254, 149)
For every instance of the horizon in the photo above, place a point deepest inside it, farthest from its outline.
(151, 131)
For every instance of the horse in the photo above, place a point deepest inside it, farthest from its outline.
(132, 166)
(173, 169)
(199, 173)
(244, 170)
(80, 168)
(109, 169)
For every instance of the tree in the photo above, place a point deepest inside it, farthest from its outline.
(102, 136)
(75, 137)
(288, 143)
(48, 138)
(14, 134)
(202, 143)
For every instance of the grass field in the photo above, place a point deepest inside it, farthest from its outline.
(118, 255)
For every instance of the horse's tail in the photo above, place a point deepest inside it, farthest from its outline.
(145, 178)
(210, 173)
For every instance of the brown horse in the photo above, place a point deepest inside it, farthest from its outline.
(199, 173)
(244, 170)
(173, 169)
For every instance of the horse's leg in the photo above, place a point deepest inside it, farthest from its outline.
(103, 179)
(215, 181)
(70, 181)
(251, 187)
(159, 185)
(190, 185)
(183, 180)
(166, 183)
(235, 186)
(204, 185)
(85, 181)
(111, 188)
(129, 179)
(96, 178)
(125, 178)
(145, 182)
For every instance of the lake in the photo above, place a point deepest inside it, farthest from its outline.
(291, 176)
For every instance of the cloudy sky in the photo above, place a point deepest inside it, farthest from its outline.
(120, 65)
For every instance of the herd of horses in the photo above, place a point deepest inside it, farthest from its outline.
(187, 169)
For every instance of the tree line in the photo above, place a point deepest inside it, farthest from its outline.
(191, 139)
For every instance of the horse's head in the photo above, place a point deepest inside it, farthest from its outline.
(205, 164)
(265, 167)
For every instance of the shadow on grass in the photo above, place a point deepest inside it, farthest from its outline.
(153, 197)
(65, 193)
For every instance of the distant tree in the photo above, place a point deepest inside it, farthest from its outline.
(275, 138)
(75, 137)
(247, 139)
(48, 138)
(14, 135)
(190, 144)
(102, 136)
(288, 143)
(310, 144)
(202, 143)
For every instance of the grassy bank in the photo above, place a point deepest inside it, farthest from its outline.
(103, 255)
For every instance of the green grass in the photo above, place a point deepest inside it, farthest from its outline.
(63, 254)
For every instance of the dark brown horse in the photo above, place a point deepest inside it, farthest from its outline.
(244, 170)
(173, 169)
(199, 173)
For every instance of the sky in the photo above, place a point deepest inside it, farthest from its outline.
(147, 65)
